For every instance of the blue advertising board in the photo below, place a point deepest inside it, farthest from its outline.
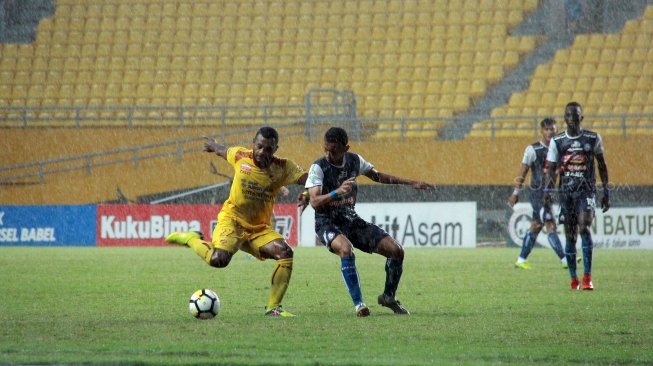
(48, 225)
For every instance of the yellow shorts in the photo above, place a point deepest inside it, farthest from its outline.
(229, 235)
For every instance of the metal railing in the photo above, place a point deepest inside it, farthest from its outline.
(147, 116)
(236, 122)
(35, 173)
(322, 108)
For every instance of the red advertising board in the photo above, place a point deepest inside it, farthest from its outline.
(148, 225)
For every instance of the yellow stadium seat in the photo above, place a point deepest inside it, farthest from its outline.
(534, 99)
(584, 84)
(594, 99)
(537, 84)
(620, 69)
(495, 72)
(603, 69)
(599, 83)
(551, 84)
(613, 83)
(478, 87)
(563, 98)
(6, 92)
(591, 55)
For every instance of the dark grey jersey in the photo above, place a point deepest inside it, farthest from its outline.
(574, 157)
(329, 177)
(534, 157)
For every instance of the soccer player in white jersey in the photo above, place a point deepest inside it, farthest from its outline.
(533, 160)
(332, 188)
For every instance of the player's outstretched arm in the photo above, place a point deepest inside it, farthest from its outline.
(384, 178)
(212, 146)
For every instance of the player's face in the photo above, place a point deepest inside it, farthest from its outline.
(548, 131)
(264, 150)
(334, 152)
(573, 117)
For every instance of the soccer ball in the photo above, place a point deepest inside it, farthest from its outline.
(204, 304)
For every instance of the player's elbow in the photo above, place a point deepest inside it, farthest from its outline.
(314, 203)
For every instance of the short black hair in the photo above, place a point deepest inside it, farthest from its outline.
(574, 105)
(547, 122)
(337, 135)
(268, 133)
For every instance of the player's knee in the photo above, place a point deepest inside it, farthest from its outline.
(220, 259)
(398, 254)
(551, 226)
(391, 249)
(584, 230)
(345, 250)
(276, 250)
(284, 252)
(536, 227)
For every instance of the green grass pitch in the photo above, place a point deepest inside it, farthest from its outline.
(469, 307)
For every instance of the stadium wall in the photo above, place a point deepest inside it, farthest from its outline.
(470, 162)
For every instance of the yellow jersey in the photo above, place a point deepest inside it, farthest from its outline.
(254, 190)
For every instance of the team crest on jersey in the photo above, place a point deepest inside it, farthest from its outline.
(245, 168)
(587, 147)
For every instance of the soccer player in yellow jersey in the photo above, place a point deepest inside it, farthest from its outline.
(244, 223)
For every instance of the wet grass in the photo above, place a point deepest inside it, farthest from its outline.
(469, 307)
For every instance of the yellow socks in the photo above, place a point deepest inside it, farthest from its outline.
(280, 281)
(203, 248)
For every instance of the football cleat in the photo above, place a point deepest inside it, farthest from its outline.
(278, 311)
(362, 310)
(575, 285)
(183, 238)
(587, 282)
(522, 265)
(392, 303)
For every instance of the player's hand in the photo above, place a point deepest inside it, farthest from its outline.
(210, 145)
(422, 185)
(513, 199)
(346, 187)
(605, 203)
(303, 200)
(284, 191)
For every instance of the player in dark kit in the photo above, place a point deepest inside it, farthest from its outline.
(572, 153)
(533, 160)
(332, 190)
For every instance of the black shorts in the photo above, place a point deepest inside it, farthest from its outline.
(539, 213)
(573, 203)
(363, 235)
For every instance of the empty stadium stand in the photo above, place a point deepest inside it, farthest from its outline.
(149, 53)
(179, 69)
(610, 74)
